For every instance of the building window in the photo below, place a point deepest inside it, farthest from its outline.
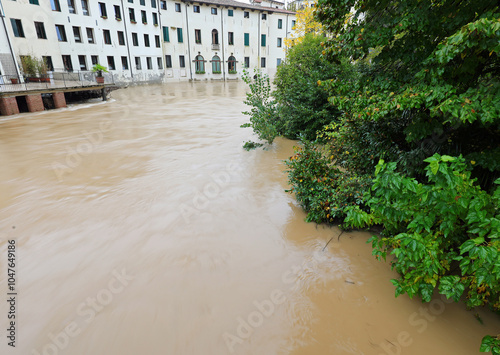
(179, 35)
(144, 17)
(83, 62)
(177, 7)
(247, 39)
(280, 23)
(138, 65)
(54, 4)
(71, 6)
(124, 63)
(40, 30)
(90, 35)
(279, 42)
(17, 27)
(85, 8)
(278, 62)
(230, 38)
(246, 14)
(216, 64)
(230, 13)
(94, 59)
(247, 62)
(293, 24)
(231, 64)
(264, 16)
(142, 2)
(68, 66)
(159, 62)
(262, 62)
(182, 62)
(196, 9)
(197, 36)
(163, 4)
(155, 19)
(111, 63)
(77, 34)
(149, 63)
(199, 64)
(131, 14)
(61, 33)
(107, 36)
(121, 38)
(131, 1)
(48, 62)
(213, 11)
(263, 40)
(118, 13)
(215, 36)
(146, 40)
(102, 10)
(168, 61)
(135, 39)
(153, 4)
(166, 37)
(157, 41)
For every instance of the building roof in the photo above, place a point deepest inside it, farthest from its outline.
(242, 5)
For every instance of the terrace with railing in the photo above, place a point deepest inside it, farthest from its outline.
(58, 79)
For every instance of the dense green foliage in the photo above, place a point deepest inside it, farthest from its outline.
(303, 105)
(431, 85)
(443, 234)
(434, 74)
(298, 107)
(323, 190)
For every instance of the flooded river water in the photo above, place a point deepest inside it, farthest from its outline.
(141, 226)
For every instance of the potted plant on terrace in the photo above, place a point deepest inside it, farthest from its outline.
(99, 69)
(29, 65)
(42, 70)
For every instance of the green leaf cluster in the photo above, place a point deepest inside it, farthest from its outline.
(444, 235)
(323, 190)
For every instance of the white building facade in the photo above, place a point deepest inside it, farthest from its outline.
(146, 40)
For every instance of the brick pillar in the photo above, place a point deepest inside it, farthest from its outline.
(59, 99)
(35, 103)
(8, 106)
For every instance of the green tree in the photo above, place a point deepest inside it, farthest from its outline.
(263, 112)
(433, 71)
(302, 104)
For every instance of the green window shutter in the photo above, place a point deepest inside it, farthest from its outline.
(165, 34)
(263, 40)
(247, 39)
(179, 35)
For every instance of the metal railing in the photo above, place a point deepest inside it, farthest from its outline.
(52, 80)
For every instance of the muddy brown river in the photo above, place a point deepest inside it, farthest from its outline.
(141, 226)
